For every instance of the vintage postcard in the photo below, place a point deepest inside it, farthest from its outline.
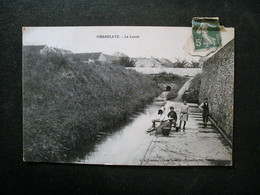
(143, 96)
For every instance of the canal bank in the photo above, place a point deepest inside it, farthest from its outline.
(127, 145)
(131, 145)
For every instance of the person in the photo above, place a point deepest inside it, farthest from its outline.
(161, 120)
(172, 116)
(205, 111)
(161, 116)
(184, 114)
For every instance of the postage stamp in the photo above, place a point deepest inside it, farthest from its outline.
(206, 33)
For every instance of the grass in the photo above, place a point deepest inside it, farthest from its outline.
(192, 94)
(166, 77)
(66, 103)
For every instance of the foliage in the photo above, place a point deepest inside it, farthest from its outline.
(194, 64)
(185, 64)
(127, 62)
(192, 94)
(181, 63)
(166, 77)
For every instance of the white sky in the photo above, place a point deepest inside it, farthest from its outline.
(159, 42)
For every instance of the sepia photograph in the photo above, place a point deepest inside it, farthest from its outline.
(128, 95)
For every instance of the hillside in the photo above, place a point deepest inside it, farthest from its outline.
(66, 103)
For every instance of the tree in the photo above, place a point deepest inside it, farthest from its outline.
(181, 63)
(195, 64)
(127, 62)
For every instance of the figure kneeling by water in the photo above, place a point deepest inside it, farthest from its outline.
(161, 113)
(165, 122)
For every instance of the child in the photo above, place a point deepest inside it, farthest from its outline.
(184, 114)
(172, 116)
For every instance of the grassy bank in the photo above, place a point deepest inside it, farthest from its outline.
(66, 103)
(192, 94)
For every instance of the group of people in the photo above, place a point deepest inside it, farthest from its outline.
(171, 117)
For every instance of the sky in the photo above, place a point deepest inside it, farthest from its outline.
(159, 42)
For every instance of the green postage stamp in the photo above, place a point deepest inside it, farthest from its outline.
(206, 32)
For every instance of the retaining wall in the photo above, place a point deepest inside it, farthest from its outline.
(217, 84)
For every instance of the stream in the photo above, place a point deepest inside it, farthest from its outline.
(129, 144)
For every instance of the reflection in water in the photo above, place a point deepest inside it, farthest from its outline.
(129, 144)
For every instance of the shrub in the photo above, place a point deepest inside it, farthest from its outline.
(127, 62)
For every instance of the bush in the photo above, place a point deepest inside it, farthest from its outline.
(181, 63)
(192, 94)
(66, 103)
(127, 62)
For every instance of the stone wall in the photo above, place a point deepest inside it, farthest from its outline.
(217, 84)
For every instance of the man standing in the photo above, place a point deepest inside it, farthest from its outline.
(205, 111)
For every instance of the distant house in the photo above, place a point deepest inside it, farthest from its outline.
(119, 54)
(147, 62)
(110, 58)
(96, 57)
(47, 51)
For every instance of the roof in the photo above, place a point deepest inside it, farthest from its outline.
(87, 56)
(119, 54)
(147, 62)
(111, 58)
(95, 56)
(164, 60)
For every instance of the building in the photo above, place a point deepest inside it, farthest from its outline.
(147, 63)
(96, 57)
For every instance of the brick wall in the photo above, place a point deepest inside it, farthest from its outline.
(217, 84)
